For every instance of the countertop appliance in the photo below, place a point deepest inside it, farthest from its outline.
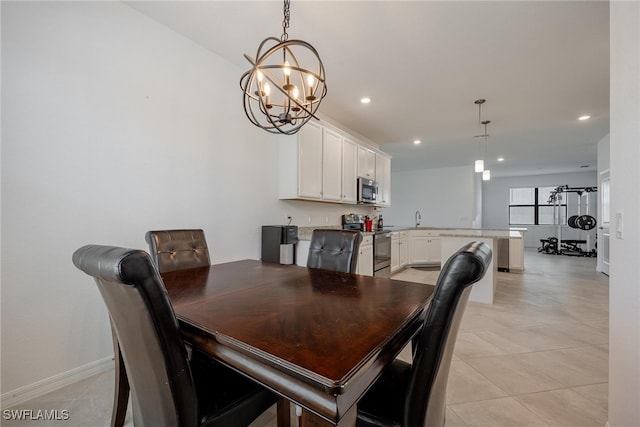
(382, 254)
(353, 222)
(279, 243)
(367, 190)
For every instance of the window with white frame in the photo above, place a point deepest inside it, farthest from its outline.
(536, 206)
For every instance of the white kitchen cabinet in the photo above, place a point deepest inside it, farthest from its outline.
(366, 162)
(349, 171)
(322, 163)
(365, 257)
(395, 252)
(310, 164)
(403, 249)
(425, 247)
(516, 254)
(331, 165)
(418, 246)
(383, 177)
(300, 164)
(434, 250)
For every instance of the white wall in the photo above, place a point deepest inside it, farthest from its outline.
(495, 204)
(445, 197)
(114, 125)
(624, 279)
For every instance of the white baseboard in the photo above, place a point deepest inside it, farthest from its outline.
(39, 388)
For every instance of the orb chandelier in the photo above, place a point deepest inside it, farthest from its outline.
(280, 94)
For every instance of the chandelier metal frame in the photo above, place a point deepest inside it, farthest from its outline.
(302, 88)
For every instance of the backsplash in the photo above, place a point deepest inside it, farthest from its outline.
(304, 233)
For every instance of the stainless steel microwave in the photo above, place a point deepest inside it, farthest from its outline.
(367, 190)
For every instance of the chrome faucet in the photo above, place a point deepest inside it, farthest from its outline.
(418, 218)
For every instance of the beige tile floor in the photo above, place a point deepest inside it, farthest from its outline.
(537, 357)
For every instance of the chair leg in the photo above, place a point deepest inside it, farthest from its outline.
(121, 389)
(284, 416)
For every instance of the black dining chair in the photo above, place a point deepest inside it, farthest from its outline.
(167, 388)
(170, 250)
(335, 250)
(173, 250)
(412, 395)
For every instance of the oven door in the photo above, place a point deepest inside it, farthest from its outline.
(382, 255)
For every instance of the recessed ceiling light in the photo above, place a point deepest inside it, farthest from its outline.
(501, 159)
(417, 141)
(365, 100)
(583, 118)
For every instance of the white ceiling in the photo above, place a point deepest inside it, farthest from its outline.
(538, 64)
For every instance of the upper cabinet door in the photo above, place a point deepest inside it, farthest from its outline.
(349, 171)
(310, 161)
(331, 166)
(366, 162)
(383, 176)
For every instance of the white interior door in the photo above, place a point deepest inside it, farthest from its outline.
(605, 220)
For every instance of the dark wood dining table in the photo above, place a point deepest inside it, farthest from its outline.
(318, 338)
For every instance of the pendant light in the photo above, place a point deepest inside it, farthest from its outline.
(486, 174)
(280, 94)
(479, 164)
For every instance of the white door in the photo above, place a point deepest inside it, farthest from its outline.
(310, 161)
(349, 171)
(366, 163)
(331, 166)
(365, 260)
(383, 177)
(605, 222)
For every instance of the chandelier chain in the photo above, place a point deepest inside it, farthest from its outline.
(285, 21)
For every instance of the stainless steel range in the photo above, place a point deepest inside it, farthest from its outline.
(382, 254)
(381, 244)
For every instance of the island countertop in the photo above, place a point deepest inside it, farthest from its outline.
(304, 233)
(496, 233)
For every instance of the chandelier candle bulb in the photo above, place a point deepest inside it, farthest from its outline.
(267, 92)
(260, 91)
(311, 81)
(296, 101)
(287, 76)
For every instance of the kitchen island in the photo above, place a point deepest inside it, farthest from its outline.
(432, 246)
(483, 290)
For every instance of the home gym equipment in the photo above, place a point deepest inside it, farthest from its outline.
(582, 222)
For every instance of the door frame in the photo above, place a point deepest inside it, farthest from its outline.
(604, 219)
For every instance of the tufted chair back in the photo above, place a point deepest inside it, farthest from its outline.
(162, 388)
(412, 395)
(426, 400)
(167, 388)
(173, 250)
(335, 250)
